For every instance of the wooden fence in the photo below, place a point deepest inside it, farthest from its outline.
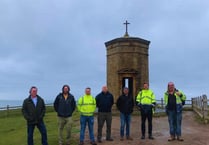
(160, 104)
(12, 110)
(8, 107)
(200, 106)
(197, 104)
(160, 107)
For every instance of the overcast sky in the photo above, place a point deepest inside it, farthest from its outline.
(49, 43)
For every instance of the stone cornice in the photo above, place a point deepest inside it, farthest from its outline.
(127, 39)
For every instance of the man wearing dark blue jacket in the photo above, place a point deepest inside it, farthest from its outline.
(64, 105)
(104, 101)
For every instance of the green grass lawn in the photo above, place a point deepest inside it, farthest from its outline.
(13, 129)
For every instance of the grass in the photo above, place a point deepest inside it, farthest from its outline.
(13, 128)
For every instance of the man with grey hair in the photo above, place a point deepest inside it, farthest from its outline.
(125, 104)
(174, 101)
(33, 110)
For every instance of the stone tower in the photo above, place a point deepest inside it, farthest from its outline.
(127, 64)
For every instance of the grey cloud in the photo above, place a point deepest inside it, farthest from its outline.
(51, 43)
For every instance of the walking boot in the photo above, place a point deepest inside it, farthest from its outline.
(81, 143)
(93, 143)
(172, 138)
(179, 138)
(99, 140)
(151, 137)
(143, 137)
(109, 139)
(129, 138)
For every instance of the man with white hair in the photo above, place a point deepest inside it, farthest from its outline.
(174, 101)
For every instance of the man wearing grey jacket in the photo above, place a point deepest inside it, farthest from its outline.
(33, 110)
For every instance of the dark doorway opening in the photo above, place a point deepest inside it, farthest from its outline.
(128, 82)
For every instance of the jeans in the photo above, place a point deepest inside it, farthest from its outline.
(90, 121)
(125, 120)
(62, 121)
(42, 129)
(174, 119)
(102, 118)
(146, 113)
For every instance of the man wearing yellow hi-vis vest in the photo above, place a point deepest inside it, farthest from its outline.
(86, 107)
(146, 102)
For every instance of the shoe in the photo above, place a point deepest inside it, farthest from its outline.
(129, 138)
(93, 143)
(109, 139)
(172, 138)
(151, 137)
(81, 143)
(99, 140)
(180, 139)
(121, 138)
(143, 137)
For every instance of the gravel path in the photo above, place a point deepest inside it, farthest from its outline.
(194, 133)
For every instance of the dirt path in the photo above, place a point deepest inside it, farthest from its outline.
(193, 132)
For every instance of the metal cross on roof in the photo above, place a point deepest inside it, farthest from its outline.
(126, 23)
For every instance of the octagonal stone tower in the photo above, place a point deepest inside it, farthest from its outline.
(127, 64)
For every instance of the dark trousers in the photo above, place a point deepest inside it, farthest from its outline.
(42, 129)
(146, 113)
(102, 118)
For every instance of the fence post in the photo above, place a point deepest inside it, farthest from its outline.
(7, 111)
(162, 103)
(205, 106)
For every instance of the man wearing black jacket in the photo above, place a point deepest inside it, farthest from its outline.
(64, 105)
(104, 101)
(125, 104)
(33, 110)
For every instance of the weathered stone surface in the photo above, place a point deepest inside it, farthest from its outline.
(127, 57)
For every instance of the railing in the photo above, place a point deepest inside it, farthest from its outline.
(12, 110)
(10, 107)
(161, 104)
(160, 107)
(200, 106)
(17, 107)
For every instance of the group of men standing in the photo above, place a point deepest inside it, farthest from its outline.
(34, 109)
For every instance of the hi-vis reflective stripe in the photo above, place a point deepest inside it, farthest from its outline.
(87, 113)
(93, 103)
(88, 104)
(148, 97)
